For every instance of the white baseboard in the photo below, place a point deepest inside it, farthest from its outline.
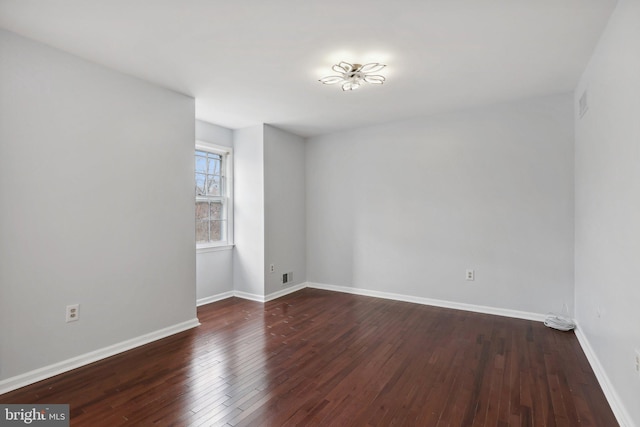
(40, 374)
(271, 296)
(378, 294)
(623, 417)
(434, 302)
(249, 296)
(214, 298)
(285, 291)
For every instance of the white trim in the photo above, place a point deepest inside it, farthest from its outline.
(286, 291)
(538, 317)
(40, 374)
(227, 153)
(214, 148)
(623, 417)
(214, 298)
(249, 296)
(434, 302)
(271, 296)
(205, 249)
(229, 193)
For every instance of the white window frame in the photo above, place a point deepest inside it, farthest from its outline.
(227, 164)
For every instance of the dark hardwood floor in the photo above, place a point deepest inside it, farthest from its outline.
(319, 358)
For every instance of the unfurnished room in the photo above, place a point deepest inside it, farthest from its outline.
(278, 213)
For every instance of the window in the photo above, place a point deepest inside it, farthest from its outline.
(213, 195)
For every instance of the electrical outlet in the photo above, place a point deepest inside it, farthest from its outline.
(638, 361)
(73, 313)
(471, 275)
(272, 268)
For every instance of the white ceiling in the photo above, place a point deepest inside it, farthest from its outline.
(258, 61)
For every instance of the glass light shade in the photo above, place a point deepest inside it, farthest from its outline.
(372, 67)
(342, 67)
(352, 76)
(350, 86)
(330, 80)
(374, 79)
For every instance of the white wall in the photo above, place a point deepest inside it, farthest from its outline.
(96, 190)
(214, 134)
(608, 204)
(214, 268)
(407, 207)
(248, 255)
(285, 226)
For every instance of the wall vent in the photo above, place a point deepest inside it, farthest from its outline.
(287, 277)
(583, 104)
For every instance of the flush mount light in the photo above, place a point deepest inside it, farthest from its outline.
(352, 76)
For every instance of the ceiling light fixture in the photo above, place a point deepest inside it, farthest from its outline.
(352, 76)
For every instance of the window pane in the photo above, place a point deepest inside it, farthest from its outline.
(200, 184)
(202, 231)
(214, 166)
(217, 230)
(202, 211)
(210, 206)
(201, 163)
(216, 210)
(213, 185)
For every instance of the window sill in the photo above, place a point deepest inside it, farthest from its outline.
(206, 249)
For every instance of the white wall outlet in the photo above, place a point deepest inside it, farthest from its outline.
(638, 362)
(471, 275)
(272, 268)
(73, 312)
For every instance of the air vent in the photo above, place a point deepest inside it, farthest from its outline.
(287, 277)
(584, 106)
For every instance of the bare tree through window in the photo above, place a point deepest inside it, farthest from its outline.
(210, 197)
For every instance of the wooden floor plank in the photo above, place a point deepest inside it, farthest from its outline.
(324, 358)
